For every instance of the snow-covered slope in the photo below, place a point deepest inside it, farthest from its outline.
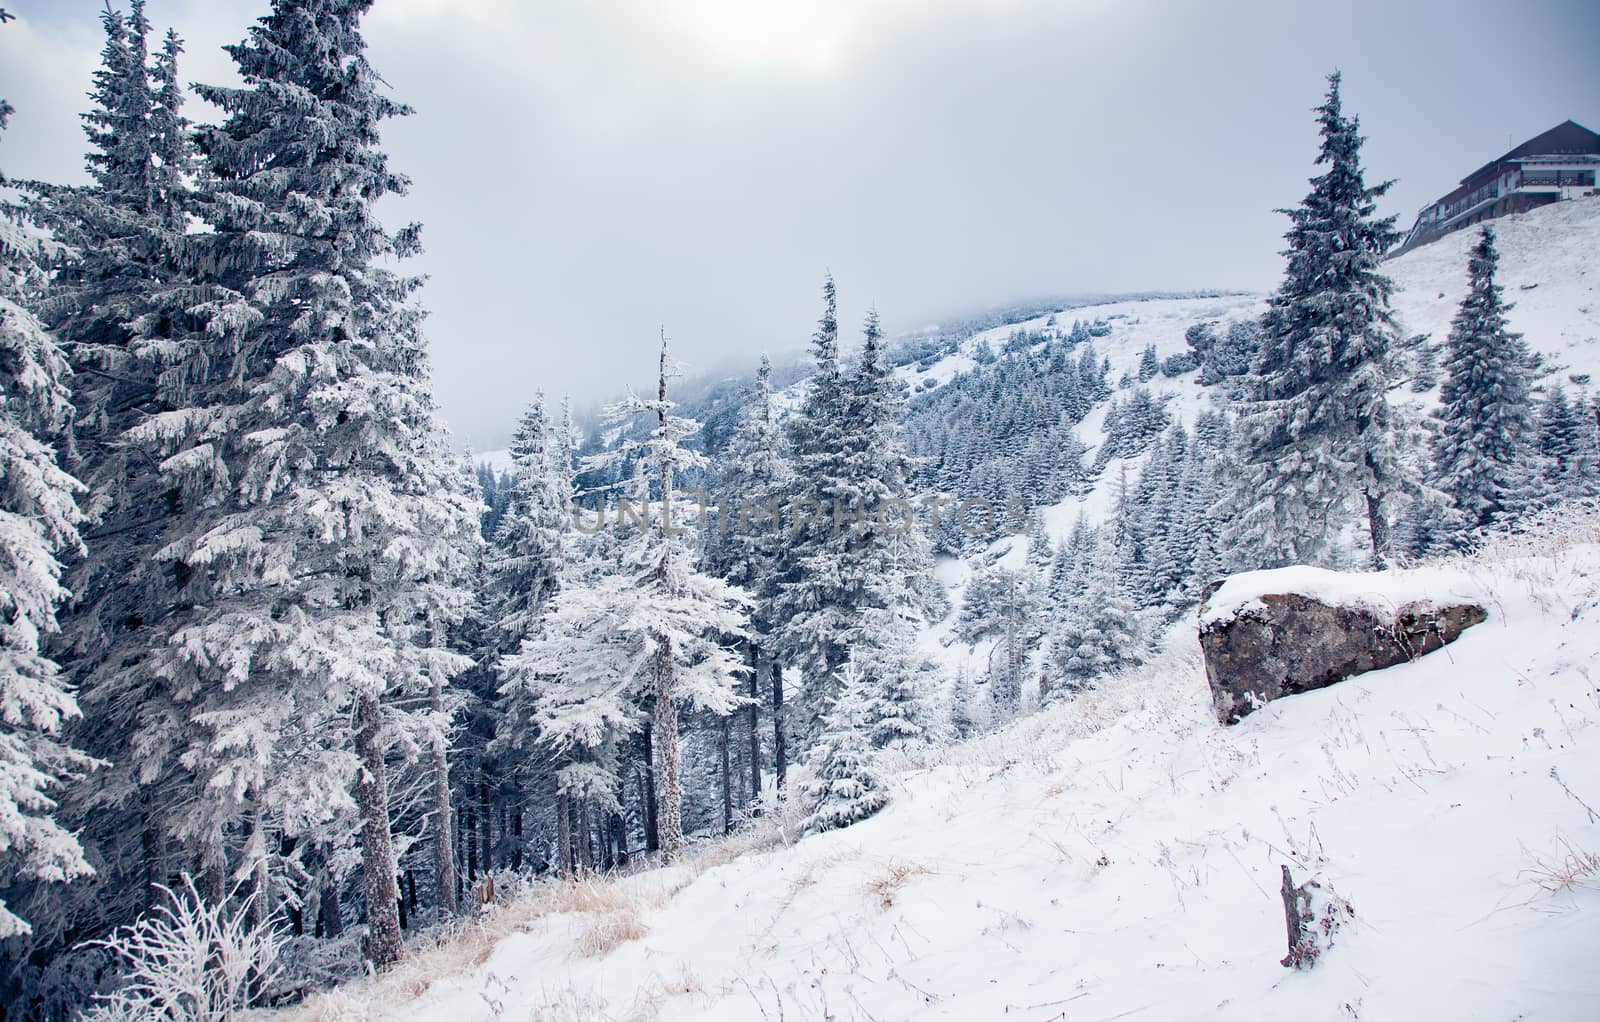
(1549, 267)
(1118, 857)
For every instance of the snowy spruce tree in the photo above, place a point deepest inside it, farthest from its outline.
(117, 301)
(39, 521)
(1008, 607)
(1569, 441)
(1483, 450)
(747, 550)
(853, 542)
(1316, 433)
(321, 537)
(845, 786)
(647, 633)
(531, 539)
(1099, 631)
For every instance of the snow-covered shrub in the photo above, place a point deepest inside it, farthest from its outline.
(1182, 362)
(189, 961)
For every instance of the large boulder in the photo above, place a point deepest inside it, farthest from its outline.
(1268, 634)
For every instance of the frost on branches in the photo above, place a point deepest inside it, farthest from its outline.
(39, 520)
(646, 631)
(324, 532)
(1484, 456)
(845, 786)
(1316, 432)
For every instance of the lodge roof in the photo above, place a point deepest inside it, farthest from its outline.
(1567, 138)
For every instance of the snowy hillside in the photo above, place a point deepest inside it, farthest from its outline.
(1118, 857)
(1547, 267)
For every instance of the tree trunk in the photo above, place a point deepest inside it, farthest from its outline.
(563, 837)
(469, 825)
(619, 836)
(1378, 526)
(384, 946)
(780, 748)
(213, 870)
(444, 841)
(486, 818)
(329, 919)
(669, 795)
(516, 833)
(755, 723)
(585, 832)
(652, 833)
(261, 904)
(724, 738)
(150, 847)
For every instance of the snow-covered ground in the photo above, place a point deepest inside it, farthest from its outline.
(1118, 857)
(1549, 267)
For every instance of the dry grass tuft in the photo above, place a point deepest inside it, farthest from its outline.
(589, 895)
(608, 932)
(1573, 869)
(887, 885)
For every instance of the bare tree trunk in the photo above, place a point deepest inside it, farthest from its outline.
(261, 906)
(724, 738)
(1378, 526)
(652, 833)
(486, 817)
(444, 841)
(384, 946)
(755, 723)
(780, 748)
(669, 792)
(328, 916)
(516, 833)
(563, 837)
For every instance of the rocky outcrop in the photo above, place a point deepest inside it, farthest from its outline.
(1274, 645)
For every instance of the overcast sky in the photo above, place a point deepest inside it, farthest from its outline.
(589, 170)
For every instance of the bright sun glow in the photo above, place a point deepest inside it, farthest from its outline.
(805, 33)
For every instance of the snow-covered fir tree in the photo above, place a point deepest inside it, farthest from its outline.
(320, 532)
(747, 549)
(900, 680)
(117, 299)
(1149, 364)
(531, 537)
(647, 632)
(1483, 449)
(1099, 631)
(39, 519)
(1569, 440)
(845, 785)
(1006, 606)
(1316, 433)
(966, 715)
(853, 543)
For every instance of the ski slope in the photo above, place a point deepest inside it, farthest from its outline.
(1118, 857)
